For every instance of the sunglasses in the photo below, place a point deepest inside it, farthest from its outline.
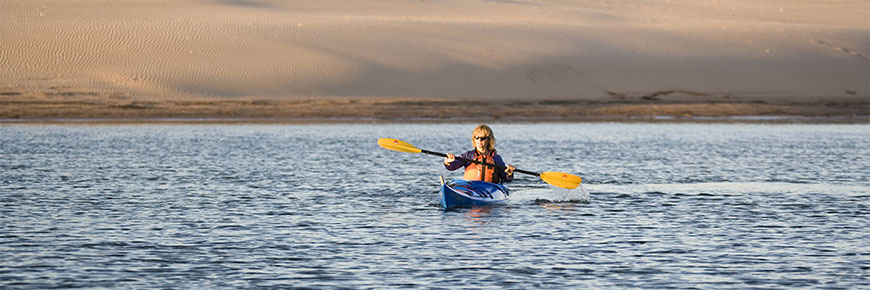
(481, 138)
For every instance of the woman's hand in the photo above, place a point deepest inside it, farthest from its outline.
(510, 170)
(449, 159)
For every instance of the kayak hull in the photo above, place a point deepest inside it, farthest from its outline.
(466, 194)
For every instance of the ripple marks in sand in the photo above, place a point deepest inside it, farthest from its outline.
(238, 55)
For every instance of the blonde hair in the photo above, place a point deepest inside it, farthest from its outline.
(485, 131)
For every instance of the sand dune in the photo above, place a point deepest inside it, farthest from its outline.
(617, 50)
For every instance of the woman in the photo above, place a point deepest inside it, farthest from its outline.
(484, 151)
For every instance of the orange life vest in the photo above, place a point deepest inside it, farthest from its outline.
(476, 171)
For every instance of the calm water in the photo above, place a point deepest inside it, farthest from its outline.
(322, 206)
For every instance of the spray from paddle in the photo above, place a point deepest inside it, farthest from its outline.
(549, 195)
(578, 194)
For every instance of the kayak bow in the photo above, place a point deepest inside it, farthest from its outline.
(461, 193)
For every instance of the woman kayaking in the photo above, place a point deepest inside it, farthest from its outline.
(474, 190)
(484, 151)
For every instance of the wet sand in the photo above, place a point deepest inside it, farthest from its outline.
(86, 106)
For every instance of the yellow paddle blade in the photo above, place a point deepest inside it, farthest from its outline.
(561, 179)
(398, 145)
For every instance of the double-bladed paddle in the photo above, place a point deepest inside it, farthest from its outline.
(559, 179)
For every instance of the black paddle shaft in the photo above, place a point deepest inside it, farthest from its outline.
(478, 162)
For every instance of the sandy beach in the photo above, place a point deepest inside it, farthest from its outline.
(412, 60)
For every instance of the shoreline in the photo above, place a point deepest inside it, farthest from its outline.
(93, 108)
(725, 120)
(767, 119)
(86, 106)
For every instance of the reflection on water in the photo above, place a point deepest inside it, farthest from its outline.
(322, 206)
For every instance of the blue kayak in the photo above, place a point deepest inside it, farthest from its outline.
(467, 193)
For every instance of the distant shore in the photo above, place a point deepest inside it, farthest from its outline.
(71, 106)
(434, 61)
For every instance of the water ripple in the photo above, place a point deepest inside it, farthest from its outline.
(321, 206)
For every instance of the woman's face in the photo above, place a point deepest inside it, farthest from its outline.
(481, 142)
